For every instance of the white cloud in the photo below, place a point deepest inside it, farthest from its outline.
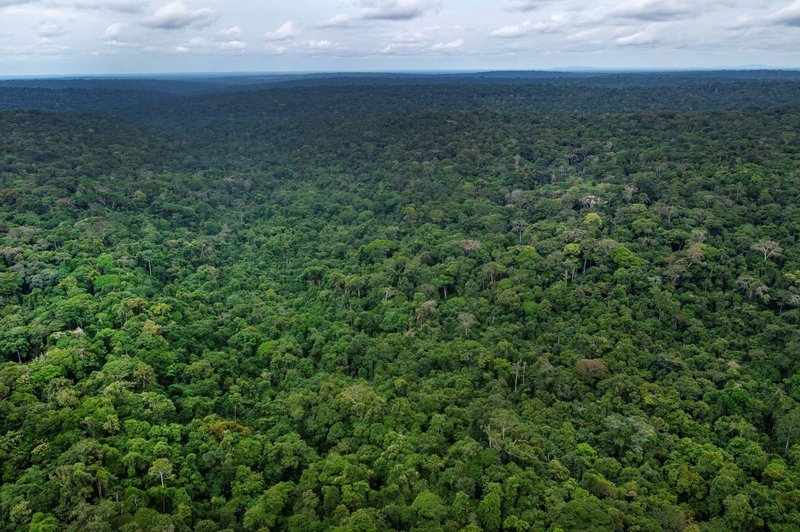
(553, 24)
(397, 9)
(178, 15)
(51, 30)
(788, 16)
(113, 36)
(233, 45)
(452, 45)
(202, 44)
(499, 34)
(114, 30)
(390, 10)
(320, 45)
(656, 10)
(401, 48)
(517, 30)
(528, 5)
(640, 38)
(122, 44)
(337, 21)
(28, 50)
(232, 32)
(285, 33)
(121, 6)
(742, 22)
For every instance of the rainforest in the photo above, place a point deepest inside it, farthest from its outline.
(457, 302)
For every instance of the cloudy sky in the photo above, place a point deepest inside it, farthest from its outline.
(148, 36)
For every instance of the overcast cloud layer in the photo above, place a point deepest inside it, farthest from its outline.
(149, 36)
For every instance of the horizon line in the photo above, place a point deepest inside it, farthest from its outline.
(554, 70)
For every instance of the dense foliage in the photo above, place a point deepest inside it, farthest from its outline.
(371, 306)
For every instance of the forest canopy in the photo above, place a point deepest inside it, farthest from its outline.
(508, 301)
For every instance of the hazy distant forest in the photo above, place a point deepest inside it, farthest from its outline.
(501, 301)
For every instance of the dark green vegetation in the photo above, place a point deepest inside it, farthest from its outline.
(360, 304)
